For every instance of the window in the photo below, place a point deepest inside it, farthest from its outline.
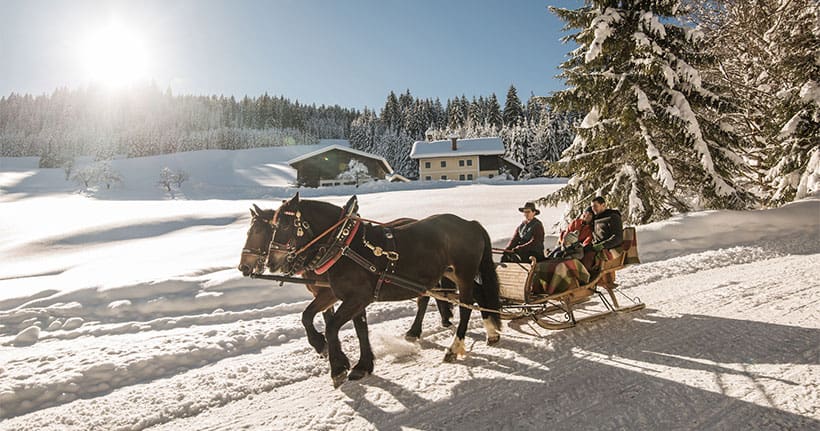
(443, 177)
(461, 162)
(428, 177)
(470, 162)
(470, 177)
(461, 177)
(443, 163)
(426, 165)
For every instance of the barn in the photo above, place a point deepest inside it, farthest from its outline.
(325, 166)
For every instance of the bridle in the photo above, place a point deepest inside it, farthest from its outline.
(261, 254)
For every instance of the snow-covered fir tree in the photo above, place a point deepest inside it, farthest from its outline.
(494, 117)
(651, 140)
(513, 111)
(767, 57)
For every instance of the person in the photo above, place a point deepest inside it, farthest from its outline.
(528, 239)
(577, 236)
(607, 233)
(582, 225)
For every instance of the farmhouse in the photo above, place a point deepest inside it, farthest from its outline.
(331, 166)
(463, 159)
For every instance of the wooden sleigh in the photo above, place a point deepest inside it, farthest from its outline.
(558, 311)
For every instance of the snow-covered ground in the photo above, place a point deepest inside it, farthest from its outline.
(122, 309)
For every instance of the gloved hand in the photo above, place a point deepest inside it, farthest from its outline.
(598, 247)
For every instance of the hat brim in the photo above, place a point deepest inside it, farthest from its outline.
(536, 211)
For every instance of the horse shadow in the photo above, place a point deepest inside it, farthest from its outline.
(585, 381)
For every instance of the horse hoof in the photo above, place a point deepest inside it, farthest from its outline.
(338, 379)
(412, 336)
(446, 323)
(358, 374)
(494, 340)
(450, 356)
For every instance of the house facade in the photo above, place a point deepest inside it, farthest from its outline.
(462, 159)
(324, 166)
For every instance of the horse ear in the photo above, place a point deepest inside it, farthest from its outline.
(253, 214)
(258, 210)
(295, 199)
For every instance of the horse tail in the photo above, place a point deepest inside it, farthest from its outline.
(487, 293)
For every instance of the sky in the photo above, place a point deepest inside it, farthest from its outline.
(350, 53)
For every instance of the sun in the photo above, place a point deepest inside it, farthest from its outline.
(114, 56)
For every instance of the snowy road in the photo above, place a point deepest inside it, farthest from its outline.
(719, 346)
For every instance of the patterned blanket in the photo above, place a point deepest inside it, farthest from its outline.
(556, 276)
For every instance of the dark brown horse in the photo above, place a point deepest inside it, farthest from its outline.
(419, 253)
(257, 243)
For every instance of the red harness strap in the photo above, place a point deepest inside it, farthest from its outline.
(322, 269)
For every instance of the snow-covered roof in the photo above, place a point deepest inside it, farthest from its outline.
(465, 147)
(380, 159)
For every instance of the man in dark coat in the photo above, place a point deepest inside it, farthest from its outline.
(528, 239)
(607, 227)
(607, 233)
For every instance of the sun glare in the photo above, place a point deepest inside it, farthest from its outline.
(114, 56)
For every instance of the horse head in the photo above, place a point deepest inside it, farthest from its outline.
(290, 233)
(257, 242)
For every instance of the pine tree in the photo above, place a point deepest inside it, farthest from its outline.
(391, 114)
(651, 141)
(513, 111)
(494, 117)
(766, 51)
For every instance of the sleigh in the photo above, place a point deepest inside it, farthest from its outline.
(572, 305)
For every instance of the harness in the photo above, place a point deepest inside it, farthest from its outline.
(341, 235)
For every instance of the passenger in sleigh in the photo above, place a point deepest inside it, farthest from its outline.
(572, 241)
(607, 238)
(528, 238)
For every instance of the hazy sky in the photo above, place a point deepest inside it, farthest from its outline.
(317, 51)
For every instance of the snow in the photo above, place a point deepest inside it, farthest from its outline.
(121, 309)
(680, 108)
(810, 92)
(810, 180)
(651, 24)
(591, 119)
(464, 147)
(643, 102)
(602, 25)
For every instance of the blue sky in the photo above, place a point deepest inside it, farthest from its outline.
(350, 53)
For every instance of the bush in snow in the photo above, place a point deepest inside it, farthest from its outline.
(651, 140)
(99, 173)
(170, 179)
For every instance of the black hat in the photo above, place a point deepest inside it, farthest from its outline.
(530, 206)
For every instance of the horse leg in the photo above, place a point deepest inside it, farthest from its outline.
(339, 364)
(457, 348)
(323, 300)
(365, 365)
(445, 310)
(414, 333)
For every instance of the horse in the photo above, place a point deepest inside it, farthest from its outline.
(252, 261)
(414, 257)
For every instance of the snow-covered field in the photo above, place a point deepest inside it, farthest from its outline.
(122, 309)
